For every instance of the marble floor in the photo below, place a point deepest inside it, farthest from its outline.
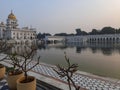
(84, 81)
(4, 85)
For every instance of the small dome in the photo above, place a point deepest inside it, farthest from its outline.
(2, 23)
(11, 16)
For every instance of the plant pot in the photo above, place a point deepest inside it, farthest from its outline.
(12, 80)
(2, 71)
(31, 85)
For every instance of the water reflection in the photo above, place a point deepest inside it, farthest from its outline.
(17, 49)
(48, 46)
(97, 58)
(104, 48)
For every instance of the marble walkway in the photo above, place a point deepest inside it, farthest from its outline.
(84, 81)
(4, 85)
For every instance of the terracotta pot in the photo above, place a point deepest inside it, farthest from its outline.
(28, 85)
(2, 71)
(12, 80)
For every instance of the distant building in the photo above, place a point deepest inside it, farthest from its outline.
(94, 38)
(54, 39)
(10, 31)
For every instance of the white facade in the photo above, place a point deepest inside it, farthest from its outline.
(10, 31)
(2, 29)
(94, 38)
(76, 38)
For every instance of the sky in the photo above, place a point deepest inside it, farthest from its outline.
(58, 16)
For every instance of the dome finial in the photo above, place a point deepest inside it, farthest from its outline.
(11, 16)
(11, 11)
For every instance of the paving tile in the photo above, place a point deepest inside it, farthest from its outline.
(87, 82)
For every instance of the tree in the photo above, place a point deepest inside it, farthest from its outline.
(78, 31)
(68, 72)
(94, 32)
(71, 34)
(107, 30)
(42, 36)
(39, 35)
(84, 33)
(25, 58)
(61, 34)
(4, 47)
(118, 31)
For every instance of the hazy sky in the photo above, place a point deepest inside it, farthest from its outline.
(55, 16)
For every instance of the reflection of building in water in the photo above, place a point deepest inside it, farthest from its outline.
(18, 49)
(106, 48)
(57, 46)
(97, 44)
(9, 31)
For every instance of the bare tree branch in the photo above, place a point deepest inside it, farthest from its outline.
(67, 72)
(22, 60)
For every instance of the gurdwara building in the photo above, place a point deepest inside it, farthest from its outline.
(10, 31)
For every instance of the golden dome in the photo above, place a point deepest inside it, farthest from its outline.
(11, 16)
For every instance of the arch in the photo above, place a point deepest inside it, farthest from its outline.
(95, 39)
(107, 39)
(114, 39)
(117, 39)
(90, 39)
(98, 39)
(110, 39)
(103, 39)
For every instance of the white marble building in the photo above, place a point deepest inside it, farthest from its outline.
(11, 32)
(115, 38)
(94, 38)
(2, 29)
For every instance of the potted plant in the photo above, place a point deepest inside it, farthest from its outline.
(3, 47)
(2, 71)
(14, 73)
(27, 56)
